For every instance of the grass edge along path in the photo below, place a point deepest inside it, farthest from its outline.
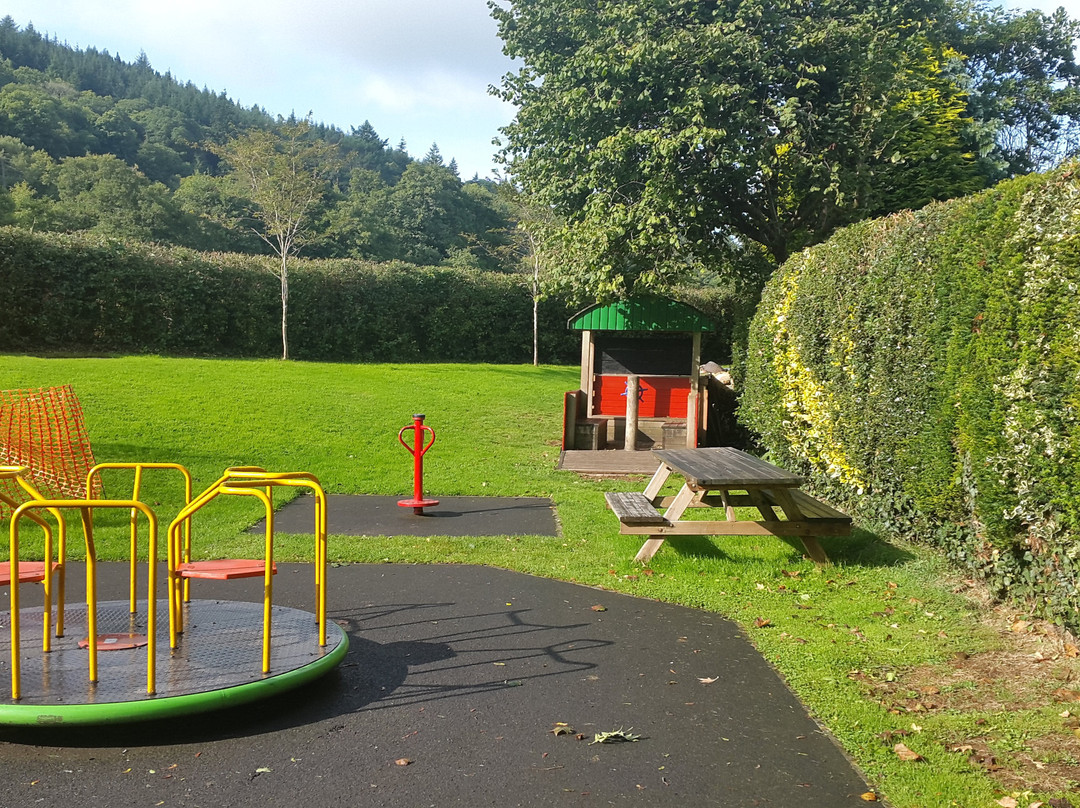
(846, 638)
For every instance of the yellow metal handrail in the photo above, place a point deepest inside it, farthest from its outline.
(86, 508)
(251, 481)
(138, 468)
(18, 474)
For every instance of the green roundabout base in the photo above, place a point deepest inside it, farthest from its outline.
(216, 666)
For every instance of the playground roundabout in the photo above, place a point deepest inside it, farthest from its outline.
(215, 666)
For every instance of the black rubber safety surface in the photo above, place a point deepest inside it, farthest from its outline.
(350, 515)
(454, 680)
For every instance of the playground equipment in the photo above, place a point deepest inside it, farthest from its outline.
(418, 450)
(41, 572)
(207, 666)
(640, 378)
(42, 432)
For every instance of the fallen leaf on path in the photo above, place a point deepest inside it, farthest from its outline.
(904, 753)
(403, 762)
(869, 796)
(561, 728)
(707, 680)
(616, 736)
(599, 608)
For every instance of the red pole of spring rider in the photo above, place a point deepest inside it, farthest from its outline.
(418, 450)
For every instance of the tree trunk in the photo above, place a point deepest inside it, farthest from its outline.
(536, 328)
(284, 308)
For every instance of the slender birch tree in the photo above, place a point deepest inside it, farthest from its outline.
(284, 173)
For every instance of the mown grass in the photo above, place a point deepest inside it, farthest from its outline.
(880, 609)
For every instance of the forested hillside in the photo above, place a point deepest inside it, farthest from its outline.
(89, 142)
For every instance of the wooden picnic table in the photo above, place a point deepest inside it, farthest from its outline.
(727, 478)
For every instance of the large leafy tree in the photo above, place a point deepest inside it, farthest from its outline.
(1024, 87)
(284, 173)
(670, 132)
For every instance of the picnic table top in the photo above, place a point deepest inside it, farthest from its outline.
(726, 467)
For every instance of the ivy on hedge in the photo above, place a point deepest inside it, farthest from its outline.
(925, 369)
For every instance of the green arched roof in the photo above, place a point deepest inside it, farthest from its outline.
(641, 314)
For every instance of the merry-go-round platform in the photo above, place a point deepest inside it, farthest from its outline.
(217, 663)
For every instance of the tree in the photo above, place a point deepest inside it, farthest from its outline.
(522, 243)
(103, 194)
(1023, 87)
(664, 132)
(530, 241)
(284, 174)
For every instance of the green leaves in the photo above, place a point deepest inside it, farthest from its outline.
(925, 369)
(666, 133)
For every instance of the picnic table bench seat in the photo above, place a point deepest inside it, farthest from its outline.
(634, 509)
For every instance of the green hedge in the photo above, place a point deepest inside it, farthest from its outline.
(86, 294)
(924, 369)
(79, 293)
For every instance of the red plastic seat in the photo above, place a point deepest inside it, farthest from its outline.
(30, 572)
(225, 569)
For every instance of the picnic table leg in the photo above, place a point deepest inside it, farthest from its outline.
(648, 549)
(792, 512)
(729, 511)
(652, 490)
(763, 506)
(682, 501)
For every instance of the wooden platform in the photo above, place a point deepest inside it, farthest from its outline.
(609, 461)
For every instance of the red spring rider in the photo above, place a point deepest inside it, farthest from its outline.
(418, 450)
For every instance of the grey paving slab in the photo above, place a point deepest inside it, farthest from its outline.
(464, 670)
(350, 515)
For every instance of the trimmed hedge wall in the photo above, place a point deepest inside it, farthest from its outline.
(78, 293)
(85, 294)
(924, 370)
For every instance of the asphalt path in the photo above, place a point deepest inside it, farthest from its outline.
(454, 680)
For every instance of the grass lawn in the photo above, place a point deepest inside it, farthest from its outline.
(886, 646)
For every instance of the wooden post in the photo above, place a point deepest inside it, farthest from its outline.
(693, 409)
(587, 360)
(633, 384)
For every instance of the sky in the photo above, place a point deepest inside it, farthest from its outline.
(418, 70)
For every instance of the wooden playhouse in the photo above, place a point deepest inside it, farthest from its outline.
(639, 376)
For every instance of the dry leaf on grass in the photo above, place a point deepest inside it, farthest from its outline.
(904, 753)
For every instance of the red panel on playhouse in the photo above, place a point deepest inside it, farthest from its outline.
(659, 396)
